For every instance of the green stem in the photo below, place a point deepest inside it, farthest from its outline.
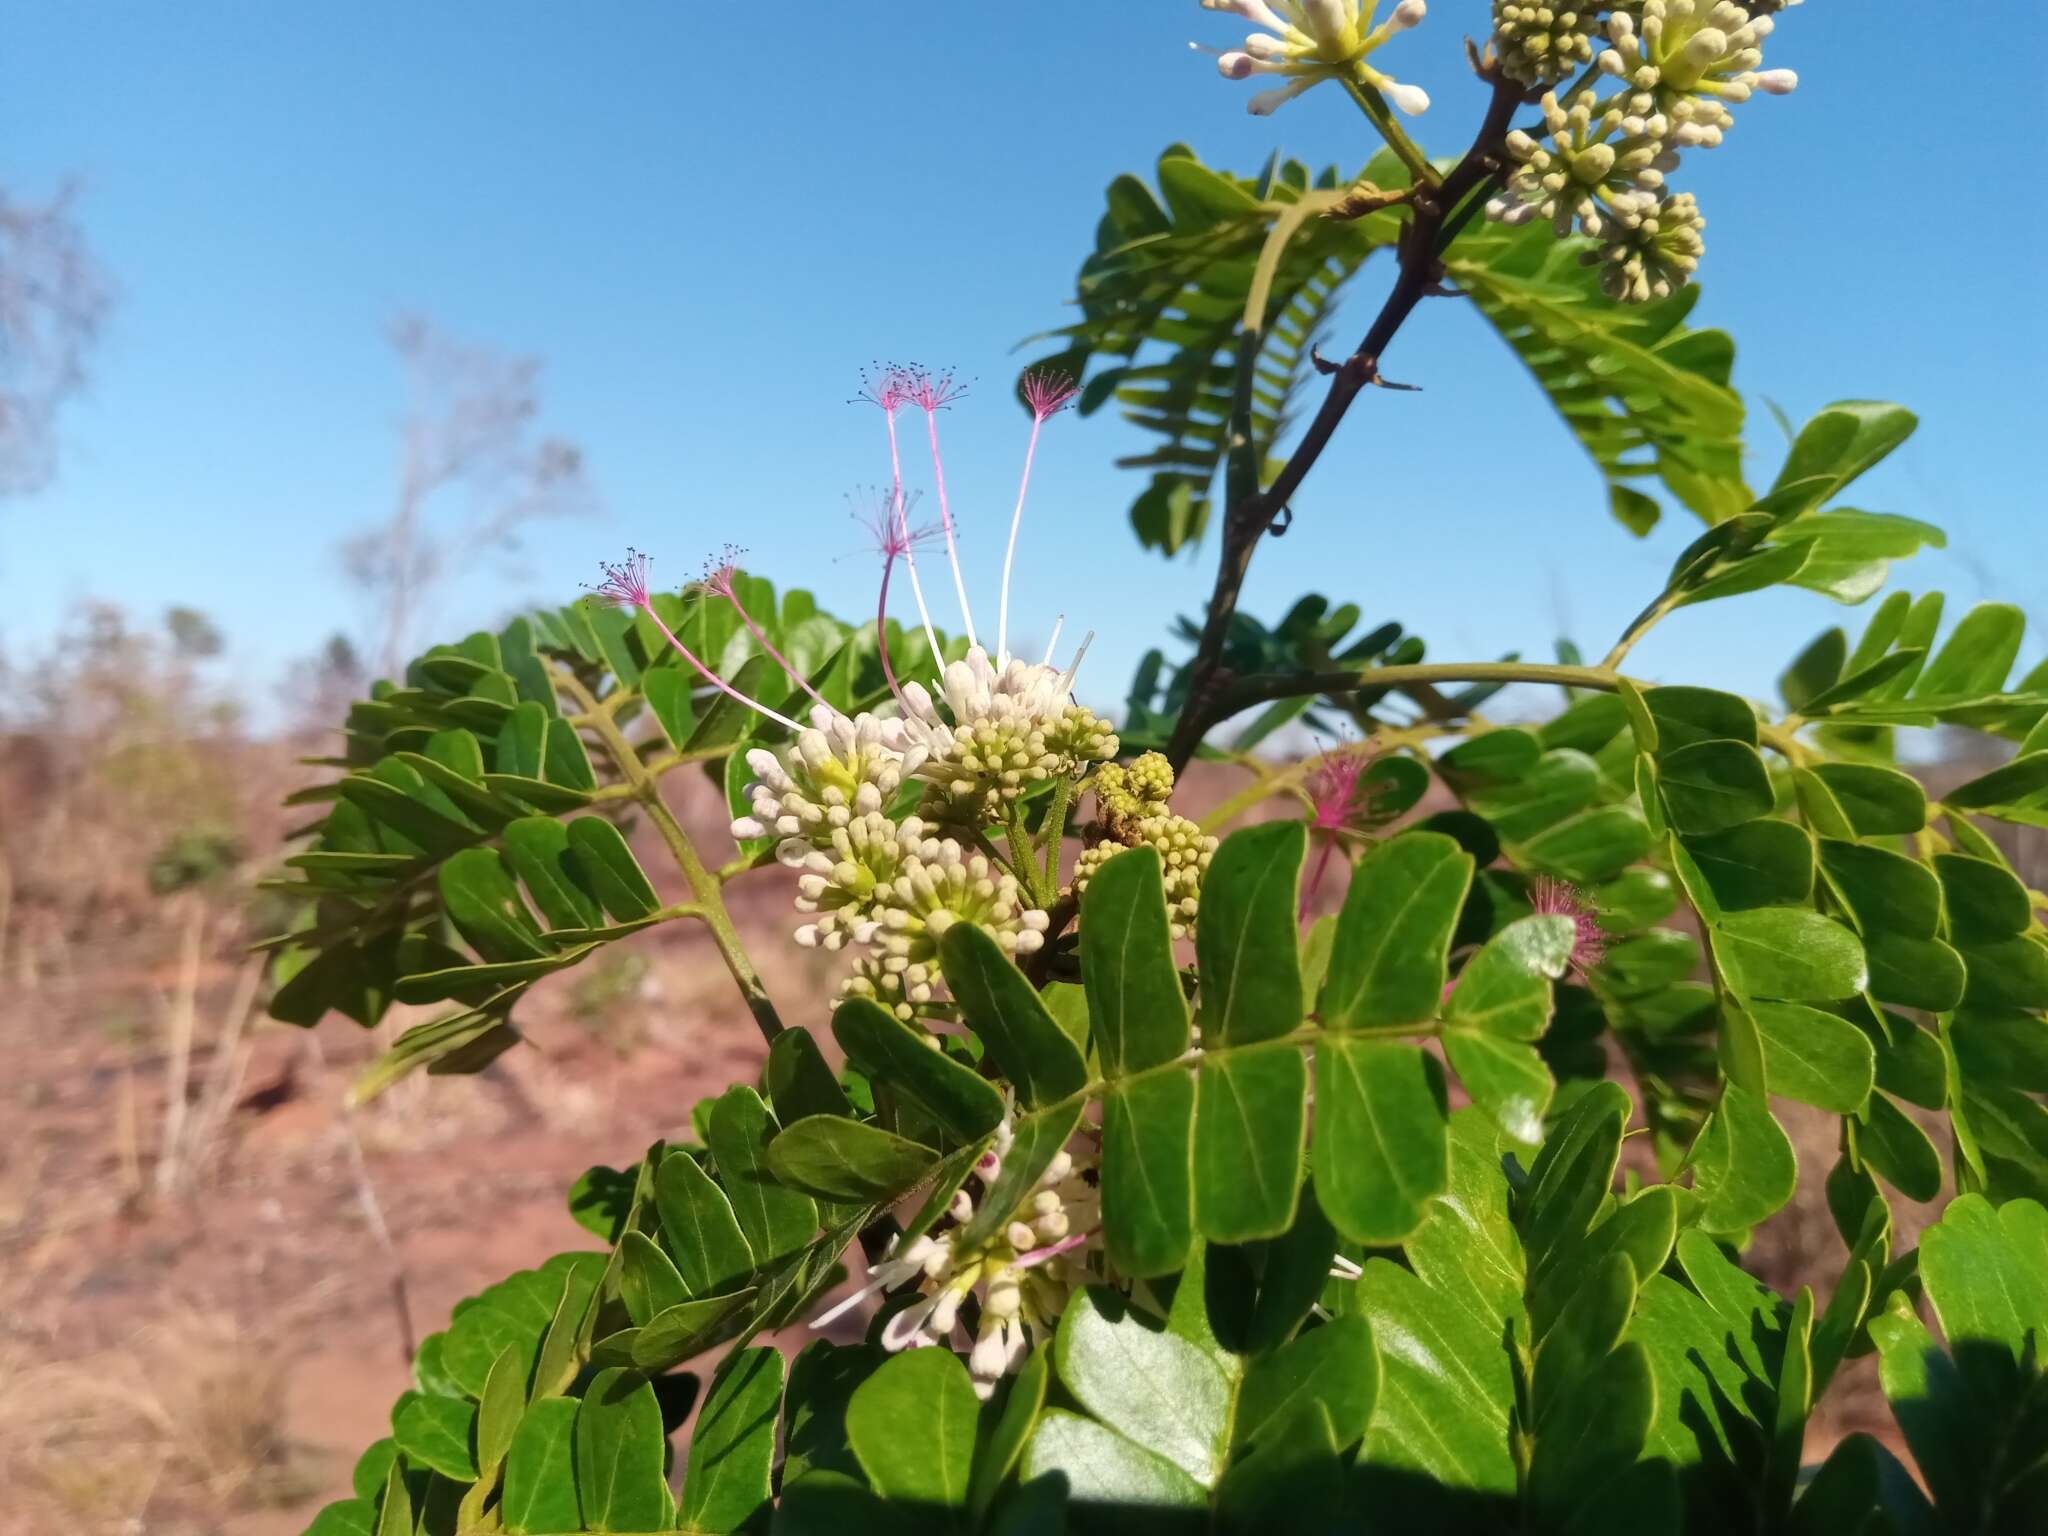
(1055, 832)
(1268, 783)
(1023, 861)
(1308, 1034)
(1261, 688)
(1375, 107)
(1640, 626)
(703, 883)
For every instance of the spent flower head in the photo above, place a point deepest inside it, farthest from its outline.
(625, 581)
(884, 384)
(1047, 391)
(932, 389)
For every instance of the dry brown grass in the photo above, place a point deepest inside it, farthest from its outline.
(176, 1431)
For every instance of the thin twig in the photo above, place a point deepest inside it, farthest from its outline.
(1250, 516)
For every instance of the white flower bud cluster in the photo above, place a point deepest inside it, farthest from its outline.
(1680, 64)
(1595, 172)
(1022, 1274)
(1184, 854)
(837, 769)
(895, 889)
(1009, 728)
(1539, 43)
(887, 885)
(1656, 256)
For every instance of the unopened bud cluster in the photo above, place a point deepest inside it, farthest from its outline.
(1601, 162)
(1131, 813)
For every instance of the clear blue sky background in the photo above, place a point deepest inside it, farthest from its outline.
(706, 217)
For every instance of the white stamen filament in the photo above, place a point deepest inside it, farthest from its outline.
(903, 528)
(1057, 624)
(1010, 554)
(931, 422)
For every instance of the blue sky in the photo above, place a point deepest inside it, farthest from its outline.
(706, 218)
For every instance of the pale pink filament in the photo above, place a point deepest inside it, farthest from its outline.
(931, 422)
(903, 524)
(627, 584)
(1046, 393)
(720, 581)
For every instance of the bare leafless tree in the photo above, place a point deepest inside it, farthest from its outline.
(471, 425)
(54, 297)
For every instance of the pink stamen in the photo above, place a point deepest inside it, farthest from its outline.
(1046, 393)
(1550, 897)
(894, 537)
(718, 577)
(1038, 1256)
(889, 387)
(1335, 806)
(626, 585)
(933, 392)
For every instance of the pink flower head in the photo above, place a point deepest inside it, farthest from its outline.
(720, 571)
(886, 385)
(1047, 391)
(1549, 897)
(624, 583)
(934, 389)
(1334, 788)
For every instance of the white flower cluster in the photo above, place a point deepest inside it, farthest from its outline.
(1021, 1275)
(837, 769)
(1311, 41)
(1680, 63)
(1011, 727)
(869, 880)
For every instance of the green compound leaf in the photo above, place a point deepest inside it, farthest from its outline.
(1147, 1172)
(1334, 1368)
(732, 1449)
(1005, 1010)
(1709, 786)
(621, 1450)
(1135, 1003)
(1815, 1057)
(1899, 1151)
(1505, 988)
(1394, 934)
(1249, 1124)
(964, 1103)
(1787, 952)
(1098, 1465)
(439, 1432)
(1877, 800)
(913, 1425)
(1758, 864)
(1246, 945)
(1380, 1130)
(834, 1158)
(777, 1220)
(711, 1253)
(1156, 1389)
(1743, 1163)
(540, 1471)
